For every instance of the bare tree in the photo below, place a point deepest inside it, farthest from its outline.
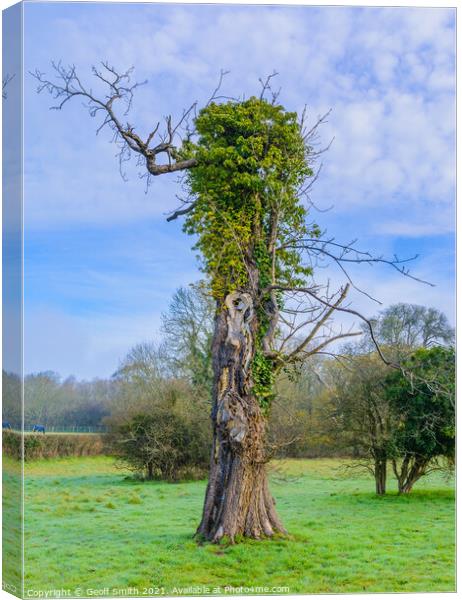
(248, 171)
(410, 326)
(187, 328)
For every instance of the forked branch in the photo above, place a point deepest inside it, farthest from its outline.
(336, 307)
(119, 89)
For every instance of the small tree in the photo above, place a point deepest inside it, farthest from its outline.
(423, 399)
(359, 413)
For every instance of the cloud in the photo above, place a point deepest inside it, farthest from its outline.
(414, 230)
(387, 73)
(101, 266)
(86, 347)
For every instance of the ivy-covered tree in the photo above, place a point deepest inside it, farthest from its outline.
(423, 400)
(248, 170)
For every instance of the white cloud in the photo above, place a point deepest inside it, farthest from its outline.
(387, 73)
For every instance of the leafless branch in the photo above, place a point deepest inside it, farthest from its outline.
(318, 325)
(215, 95)
(266, 87)
(339, 308)
(181, 211)
(119, 89)
(5, 81)
(320, 249)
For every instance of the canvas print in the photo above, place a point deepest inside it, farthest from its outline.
(228, 299)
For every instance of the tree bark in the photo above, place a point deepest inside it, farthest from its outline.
(237, 500)
(380, 473)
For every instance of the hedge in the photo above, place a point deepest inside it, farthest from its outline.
(51, 445)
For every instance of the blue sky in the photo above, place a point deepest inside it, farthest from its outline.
(101, 263)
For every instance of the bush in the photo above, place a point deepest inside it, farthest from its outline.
(162, 445)
(51, 445)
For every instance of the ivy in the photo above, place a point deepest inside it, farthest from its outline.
(251, 162)
(263, 379)
(250, 155)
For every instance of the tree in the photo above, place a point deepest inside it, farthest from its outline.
(144, 384)
(153, 429)
(42, 398)
(423, 400)
(11, 399)
(405, 327)
(293, 425)
(247, 168)
(140, 377)
(359, 413)
(187, 328)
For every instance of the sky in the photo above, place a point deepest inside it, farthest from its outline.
(101, 262)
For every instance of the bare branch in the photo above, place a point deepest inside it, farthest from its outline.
(350, 311)
(340, 336)
(308, 134)
(67, 85)
(181, 211)
(214, 95)
(319, 324)
(5, 81)
(266, 87)
(344, 254)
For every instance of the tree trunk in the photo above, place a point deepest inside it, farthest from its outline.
(416, 471)
(237, 500)
(380, 473)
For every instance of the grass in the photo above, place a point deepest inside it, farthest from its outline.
(89, 528)
(11, 525)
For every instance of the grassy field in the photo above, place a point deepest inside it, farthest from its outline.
(11, 525)
(89, 528)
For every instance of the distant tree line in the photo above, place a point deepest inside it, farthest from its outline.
(56, 403)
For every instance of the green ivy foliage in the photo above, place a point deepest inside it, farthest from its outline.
(252, 159)
(251, 162)
(263, 380)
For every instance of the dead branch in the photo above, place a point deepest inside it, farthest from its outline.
(266, 87)
(119, 89)
(350, 311)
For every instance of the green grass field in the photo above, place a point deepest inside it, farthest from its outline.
(89, 528)
(11, 524)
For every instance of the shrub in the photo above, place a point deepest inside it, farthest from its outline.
(162, 445)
